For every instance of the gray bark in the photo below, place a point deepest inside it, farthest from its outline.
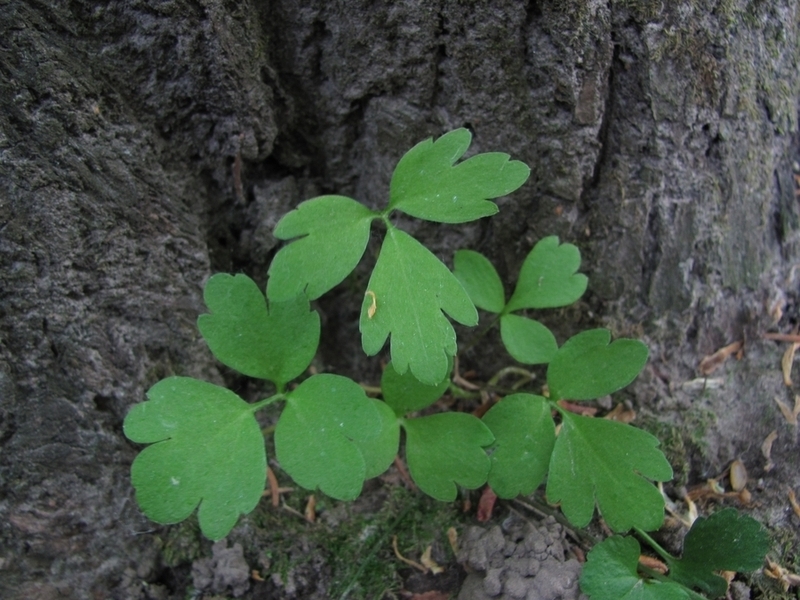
(660, 137)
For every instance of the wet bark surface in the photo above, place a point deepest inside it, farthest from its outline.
(145, 145)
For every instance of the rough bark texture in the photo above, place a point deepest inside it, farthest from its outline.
(145, 144)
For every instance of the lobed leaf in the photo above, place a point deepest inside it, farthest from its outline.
(330, 235)
(405, 393)
(318, 435)
(527, 340)
(407, 294)
(480, 280)
(607, 463)
(206, 448)
(548, 277)
(380, 451)
(275, 343)
(524, 436)
(445, 450)
(725, 541)
(588, 367)
(428, 185)
(610, 573)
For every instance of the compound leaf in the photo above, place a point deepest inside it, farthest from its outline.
(446, 449)
(527, 340)
(608, 463)
(407, 293)
(725, 541)
(480, 280)
(405, 393)
(588, 367)
(524, 435)
(332, 233)
(548, 277)
(276, 342)
(428, 185)
(610, 574)
(317, 436)
(380, 451)
(206, 448)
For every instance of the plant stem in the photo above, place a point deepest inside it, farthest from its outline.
(267, 401)
(480, 335)
(654, 545)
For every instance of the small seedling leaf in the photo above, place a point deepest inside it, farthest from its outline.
(206, 448)
(548, 277)
(428, 185)
(610, 573)
(405, 394)
(317, 434)
(330, 235)
(445, 450)
(411, 288)
(588, 367)
(480, 280)
(724, 541)
(607, 463)
(380, 451)
(275, 343)
(527, 340)
(524, 435)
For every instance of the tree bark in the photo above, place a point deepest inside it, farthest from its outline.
(147, 144)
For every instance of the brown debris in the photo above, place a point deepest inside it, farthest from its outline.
(790, 414)
(310, 513)
(766, 450)
(402, 558)
(711, 363)
(786, 363)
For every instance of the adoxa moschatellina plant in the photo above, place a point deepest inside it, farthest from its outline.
(207, 450)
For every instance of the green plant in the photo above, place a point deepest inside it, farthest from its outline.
(206, 448)
(725, 541)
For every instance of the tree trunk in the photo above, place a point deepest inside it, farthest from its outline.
(146, 144)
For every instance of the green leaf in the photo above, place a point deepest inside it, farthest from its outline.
(480, 280)
(317, 436)
(602, 461)
(407, 293)
(587, 367)
(427, 185)
(445, 450)
(333, 232)
(528, 341)
(548, 277)
(524, 435)
(405, 394)
(275, 343)
(206, 448)
(380, 451)
(610, 574)
(725, 541)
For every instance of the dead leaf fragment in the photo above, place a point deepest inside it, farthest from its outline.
(621, 414)
(402, 558)
(711, 363)
(256, 575)
(431, 564)
(452, 537)
(786, 363)
(787, 578)
(738, 475)
(486, 504)
(793, 502)
(653, 563)
(310, 513)
(788, 413)
(766, 450)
